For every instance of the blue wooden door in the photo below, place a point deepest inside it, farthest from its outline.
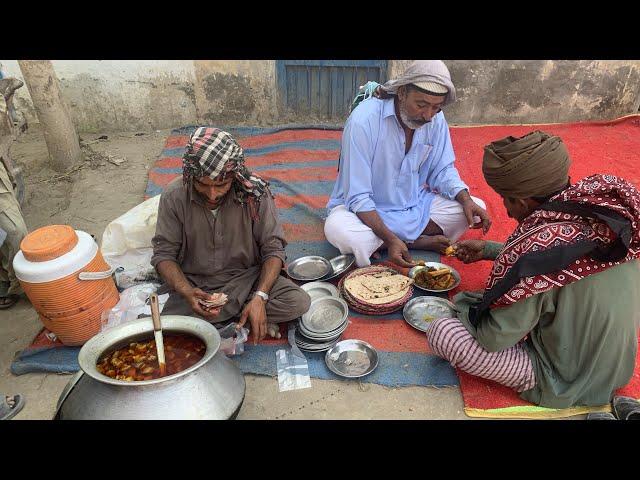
(324, 88)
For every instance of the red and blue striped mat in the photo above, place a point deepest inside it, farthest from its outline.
(301, 164)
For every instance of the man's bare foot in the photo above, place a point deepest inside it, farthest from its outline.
(435, 243)
(273, 330)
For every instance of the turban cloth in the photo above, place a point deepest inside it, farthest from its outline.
(535, 165)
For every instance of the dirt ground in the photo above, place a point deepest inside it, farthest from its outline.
(93, 195)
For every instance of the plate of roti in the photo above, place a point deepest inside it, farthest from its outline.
(376, 290)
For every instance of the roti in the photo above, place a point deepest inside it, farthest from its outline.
(382, 300)
(386, 284)
(378, 288)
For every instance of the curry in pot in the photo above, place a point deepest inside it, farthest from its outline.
(139, 360)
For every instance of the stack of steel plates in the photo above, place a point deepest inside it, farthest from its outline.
(322, 326)
(320, 289)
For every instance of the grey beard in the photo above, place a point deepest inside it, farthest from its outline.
(409, 123)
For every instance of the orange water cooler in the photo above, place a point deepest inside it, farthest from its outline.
(67, 280)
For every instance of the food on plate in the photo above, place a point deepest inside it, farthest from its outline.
(434, 278)
(370, 290)
(378, 288)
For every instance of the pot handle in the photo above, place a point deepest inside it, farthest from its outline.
(96, 275)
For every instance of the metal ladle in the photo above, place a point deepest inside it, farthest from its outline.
(157, 331)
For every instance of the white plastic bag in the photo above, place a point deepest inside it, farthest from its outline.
(233, 340)
(126, 243)
(133, 302)
(132, 230)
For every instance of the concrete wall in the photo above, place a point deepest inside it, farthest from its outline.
(539, 91)
(131, 95)
(120, 95)
(236, 92)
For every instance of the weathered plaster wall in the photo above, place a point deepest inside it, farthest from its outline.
(130, 95)
(236, 91)
(539, 91)
(120, 95)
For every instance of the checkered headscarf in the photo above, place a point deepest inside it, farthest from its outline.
(215, 154)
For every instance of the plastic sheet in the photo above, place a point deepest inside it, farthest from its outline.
(293, 371)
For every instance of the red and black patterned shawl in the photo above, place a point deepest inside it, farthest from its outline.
(591, 226)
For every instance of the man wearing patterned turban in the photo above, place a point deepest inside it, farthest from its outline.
(218, 232)
(558, 320)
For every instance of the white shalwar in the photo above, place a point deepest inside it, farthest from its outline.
(345, 231)
(406, 188)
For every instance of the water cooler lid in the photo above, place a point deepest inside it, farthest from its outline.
(48, 243)
(41, 271)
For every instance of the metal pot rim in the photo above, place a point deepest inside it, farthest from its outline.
(92, 350)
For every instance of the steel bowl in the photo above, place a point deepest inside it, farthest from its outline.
(454, 272)
(306, 269)
(339, 265)
(417, 310)
(352, 358)
(320, 289)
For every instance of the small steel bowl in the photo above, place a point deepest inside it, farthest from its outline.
(416, 309)
(309, 268)
(352, 358)
(320, 289)
(454, 272)
(339, 265)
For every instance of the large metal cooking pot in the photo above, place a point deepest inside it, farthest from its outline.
(212, 389)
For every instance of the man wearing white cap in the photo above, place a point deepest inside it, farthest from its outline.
(397, 187)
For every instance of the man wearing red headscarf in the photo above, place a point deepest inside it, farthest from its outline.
(218, 233)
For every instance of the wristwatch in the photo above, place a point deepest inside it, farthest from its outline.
(262, 295)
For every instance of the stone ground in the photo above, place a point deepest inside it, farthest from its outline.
(99, 191)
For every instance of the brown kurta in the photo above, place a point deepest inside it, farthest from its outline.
(223, 253)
